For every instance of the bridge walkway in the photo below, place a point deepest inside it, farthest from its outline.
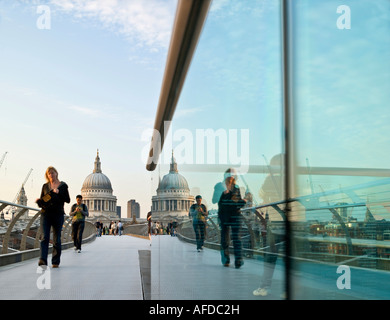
(107, 268)
(128, 268)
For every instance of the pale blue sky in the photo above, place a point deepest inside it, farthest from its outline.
(93, 81)
(341, 85)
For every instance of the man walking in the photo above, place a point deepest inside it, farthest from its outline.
(78, 211)
(198, 213)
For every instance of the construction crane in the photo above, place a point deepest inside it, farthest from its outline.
(309, 175)
(17, 195)
(2, 159)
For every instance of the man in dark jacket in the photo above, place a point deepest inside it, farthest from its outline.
(230, 217)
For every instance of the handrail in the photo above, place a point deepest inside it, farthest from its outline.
(189, 20)
(66, 233)
(299, 170)
(4, 204)
(22, 211)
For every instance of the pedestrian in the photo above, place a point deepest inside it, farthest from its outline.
(149, 219)
(54, 194)
(113, 228)
(99, 228)
(230, 217)
(155, 228)
(78, 211)
(120, 227)
(173, 230)
(198, 214)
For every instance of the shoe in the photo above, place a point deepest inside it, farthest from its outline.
(260, 292)
(42, 262)
(55, 266)
(239, 263)
(78, 251)
(225, 260)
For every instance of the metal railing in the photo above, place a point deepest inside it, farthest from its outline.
(189, 20)
(255, 242)
(28, 234)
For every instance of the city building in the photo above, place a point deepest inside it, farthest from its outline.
(22, 200)
(97, 193)
(173, 199)
(133, 209)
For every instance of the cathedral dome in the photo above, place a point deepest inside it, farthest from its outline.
(173, 180)
(97, 180)
(173, 199)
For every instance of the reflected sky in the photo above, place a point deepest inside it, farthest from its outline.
(341, 80)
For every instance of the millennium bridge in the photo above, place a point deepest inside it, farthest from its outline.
(130, 267)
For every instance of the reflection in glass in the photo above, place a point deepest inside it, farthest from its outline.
(340, 218)
(341, 81)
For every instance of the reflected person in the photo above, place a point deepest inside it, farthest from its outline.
(198, 214)
(271, 191)
(230, 217)
(221, 186)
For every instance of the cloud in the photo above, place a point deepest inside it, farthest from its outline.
(95, 113)
(144, 23)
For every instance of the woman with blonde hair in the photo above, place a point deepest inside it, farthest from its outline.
(54, 194)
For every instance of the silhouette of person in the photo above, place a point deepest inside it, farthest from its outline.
(54, 194)
(230, 217)
(271, 191)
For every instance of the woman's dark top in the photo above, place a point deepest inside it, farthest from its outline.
(229, 204)
(56, 204)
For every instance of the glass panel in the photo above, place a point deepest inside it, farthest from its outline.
(341, 94)
(229, 115)
(232, 95)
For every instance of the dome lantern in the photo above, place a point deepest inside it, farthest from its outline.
(173, 165)
(98, 165)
